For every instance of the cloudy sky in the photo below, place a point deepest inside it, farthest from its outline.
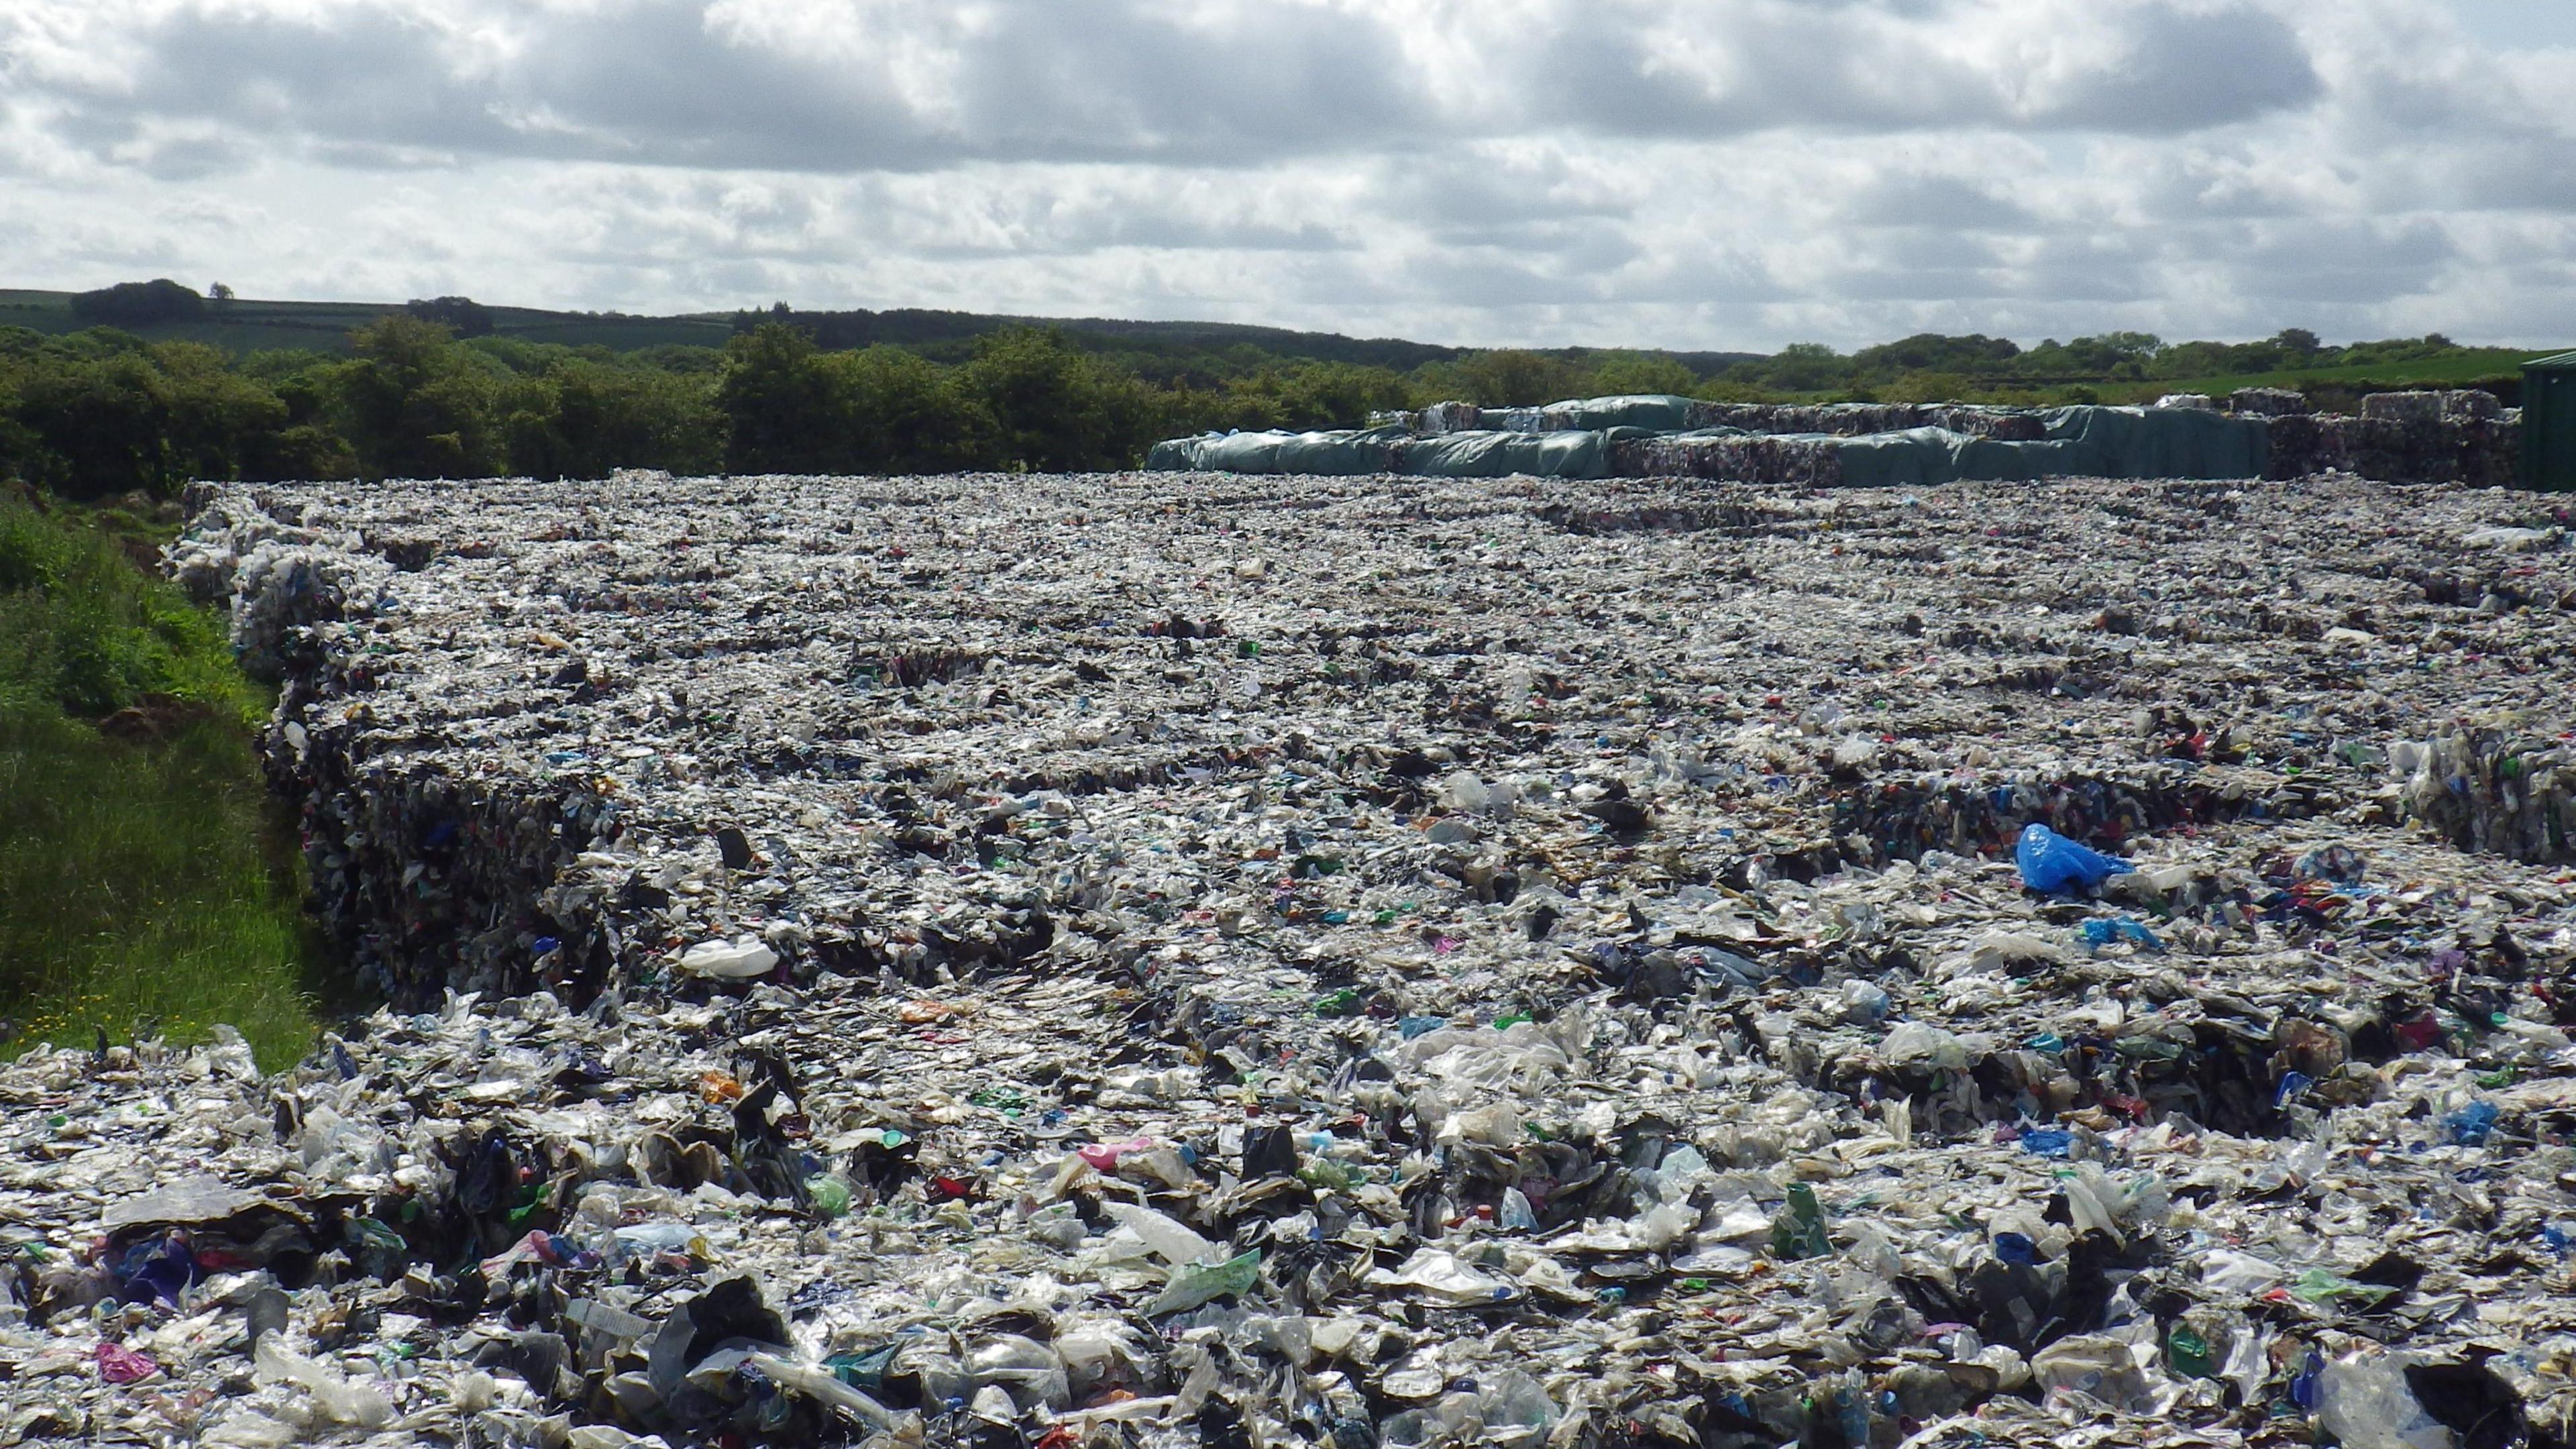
(1681, 173)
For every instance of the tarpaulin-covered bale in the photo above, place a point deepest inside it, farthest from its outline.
(1667, 413)
(2158, 443)
(1915, 458)
(2015, 461)
(1185, 455)
(2094, 442)
(1662, 413)
(2428, 437)
(2004, 425)
(1860, 419)
(1658, 412)
(1496, 455)
(1325, 454)
(1341, 454)
(1219, 453)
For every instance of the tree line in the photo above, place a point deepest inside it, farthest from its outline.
(1932, 367)
(102, 412)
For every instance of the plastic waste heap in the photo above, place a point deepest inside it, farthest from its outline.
(1362, 961)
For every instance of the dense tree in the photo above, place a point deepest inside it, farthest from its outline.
(2111, 355)
(1511, 377)
(106, 414)
(1926, 387)
(777, 403)
(100, 425)
(17, 444)
(1053, 409)
(1331, 394)
(130, 304)
(585, 419)
(902, 414)
(461, 316)
(678, 357)
(1931, 352)
(1234, 407)
(1803, 367)
(218, 419)
(301, 451)
(1629, 374)
(418, 406)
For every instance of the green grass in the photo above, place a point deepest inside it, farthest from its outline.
(85, 631)
(146, 888)
(147, 881)
(236, 327)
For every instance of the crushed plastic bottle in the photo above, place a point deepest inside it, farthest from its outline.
(2363, 1400)
(335, 1397)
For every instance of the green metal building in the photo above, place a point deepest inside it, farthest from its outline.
(2549, 424)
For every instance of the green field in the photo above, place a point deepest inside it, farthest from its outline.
(621, 333)
(244, 325)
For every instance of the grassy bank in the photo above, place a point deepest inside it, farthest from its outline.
(146, 883)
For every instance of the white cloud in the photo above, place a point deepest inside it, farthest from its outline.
(1689, 173)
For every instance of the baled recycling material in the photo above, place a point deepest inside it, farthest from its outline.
(1490, 454)
(1305, 961)
(1664, 413)
(2430, 437)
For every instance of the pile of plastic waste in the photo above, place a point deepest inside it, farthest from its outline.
(1125, 960)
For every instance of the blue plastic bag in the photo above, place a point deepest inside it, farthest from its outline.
(2099, 932)
(2050, 863)
(2472, 1125)
(2048, 1142)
